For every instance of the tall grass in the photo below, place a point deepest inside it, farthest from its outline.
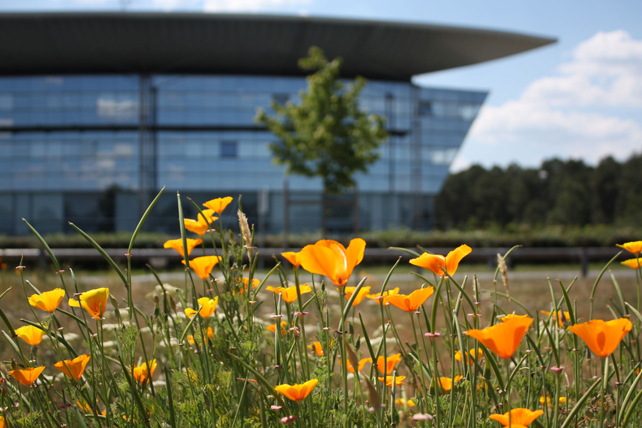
(204, 358)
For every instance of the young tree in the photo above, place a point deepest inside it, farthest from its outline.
(326, 135)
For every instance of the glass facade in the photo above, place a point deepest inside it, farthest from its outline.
(94, 149)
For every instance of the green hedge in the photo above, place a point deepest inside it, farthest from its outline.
(589, 236)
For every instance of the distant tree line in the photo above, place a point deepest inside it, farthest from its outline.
(558, 193)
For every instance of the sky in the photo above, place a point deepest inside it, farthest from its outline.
(580, 98)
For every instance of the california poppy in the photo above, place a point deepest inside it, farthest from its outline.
(332, 259)
(441, 265)
(3, 423)
(73, 368)
(318, 349)
(218, 205)
(471, 355)
(293, 258)
(47, 301)
(26, 376)
(177, 244)
(209, 333)
(562, 317)
(362, 363)
(362, 294)
(203, 266)
(518, 417)
(602, 337)
(297, 392)
(632, 263)
(411, 302)
(201, 225)
(504, 338)
(398, 380)
(446, 383)
(255, 283)
(402, 402)
(84, 406)
(142, 374)
(30, 334)
(389, 364)
(634, 247)
(512, 316)
(208, 306)
(93, 301)
(289, 294)
(272, 328)
(548, 401)
(383, 300)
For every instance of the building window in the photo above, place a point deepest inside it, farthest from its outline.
(425, 108)
(229, 149)
(281, 99)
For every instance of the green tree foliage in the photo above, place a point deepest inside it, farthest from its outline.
(326, 135)
(568, 193)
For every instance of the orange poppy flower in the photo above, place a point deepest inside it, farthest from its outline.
(30, 334)
(84, 406)
(289, 294)
(362, 363)
(93, 301)
(210, 335)
(73, 368)
(26, 376)
(208, 306)
(201, 225)
(446, 383)
(47, 301)
(297, 392)
(503, 339)
(142, 374)
(441, 265)
(389, 365)
(177, 244)
(203, 265)
(218, 205)
(518, 417)
(632, 263)
(548, 401)
(272, 328)
(602, 337)
(362, 294)
(3, 423)
(383, 301)
(293, 258)
(402, 402)
(562, 317)
(471, 355)
(332, 259)
(632, 247)
(411, 302)
(398, 380)
(317, 348)
(512, 316)
(255, 283)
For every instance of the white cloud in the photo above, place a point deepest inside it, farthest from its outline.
(579, 112)
(247, 5)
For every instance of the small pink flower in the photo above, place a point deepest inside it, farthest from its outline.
(421, 417)
(288, 419)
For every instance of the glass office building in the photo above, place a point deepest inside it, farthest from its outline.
(94, 148)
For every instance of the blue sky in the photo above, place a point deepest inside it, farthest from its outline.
(580, 98)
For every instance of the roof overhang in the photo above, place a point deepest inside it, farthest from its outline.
(162, 43)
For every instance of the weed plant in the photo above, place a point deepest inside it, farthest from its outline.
(204, 358)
